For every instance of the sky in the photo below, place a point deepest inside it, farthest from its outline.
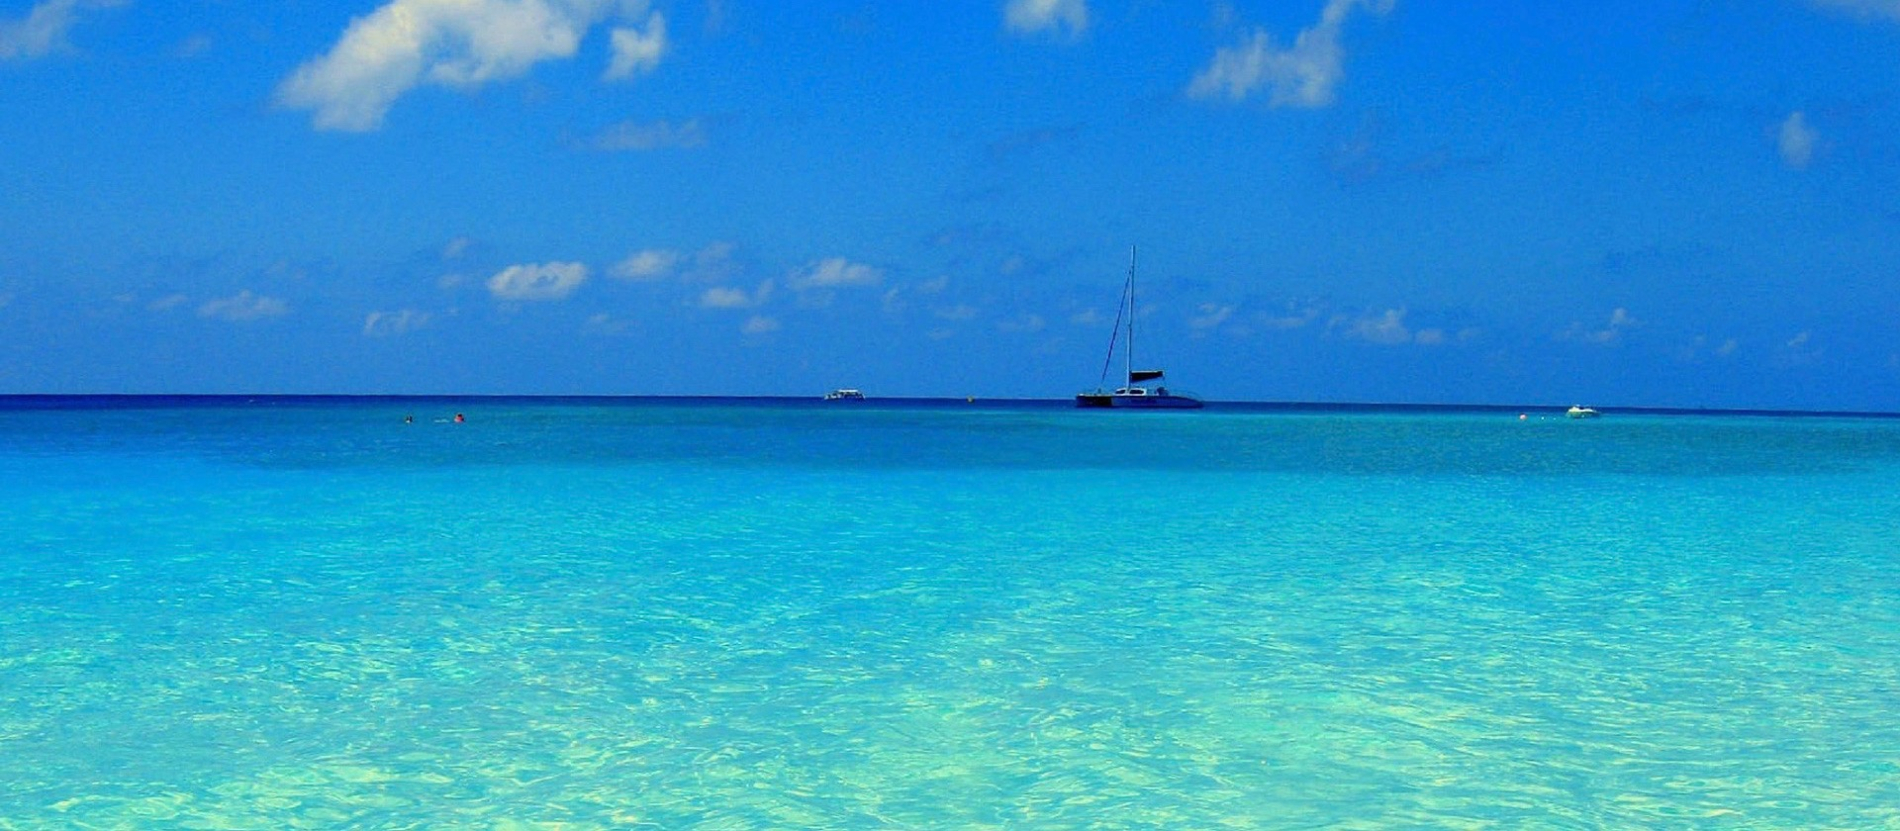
(1672, 203)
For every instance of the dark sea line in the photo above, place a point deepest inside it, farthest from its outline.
(22, 402)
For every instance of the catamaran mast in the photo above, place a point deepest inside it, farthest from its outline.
(1128, 354)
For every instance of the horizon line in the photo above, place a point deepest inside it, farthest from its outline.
(13, 400)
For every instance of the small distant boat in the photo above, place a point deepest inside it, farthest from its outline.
(844, 394)
(1132, 395)
(1581, 412)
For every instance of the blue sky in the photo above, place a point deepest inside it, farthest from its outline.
(1633, 203)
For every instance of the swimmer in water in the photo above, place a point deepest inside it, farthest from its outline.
(459, 419)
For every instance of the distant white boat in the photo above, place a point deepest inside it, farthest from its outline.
(844, 394)
(1581, 412)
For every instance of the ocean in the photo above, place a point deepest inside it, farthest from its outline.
(752, 614)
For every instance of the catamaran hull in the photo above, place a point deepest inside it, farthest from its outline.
(1090, 400)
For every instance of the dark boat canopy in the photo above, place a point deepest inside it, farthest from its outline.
(1136, 376)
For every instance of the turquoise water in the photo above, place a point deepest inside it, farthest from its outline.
(749, 614)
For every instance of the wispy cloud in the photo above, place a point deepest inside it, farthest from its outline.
(44, 29)
(1025, 323)
(1609, 333)
(194, 46)
(1368, 154)
(657, 135)
(650, 264)
(637, 52)
(546, 281)
(759, 325)
(1301, 75)
(1799, 350)
(894, 301)
(1062, 17)
(243, 306)
(727, 297)
(1796, 141)
(385, 324)
(606, 324)
(1211, 315)
(1387, 327)
(836, 272)
(717, 262)
(456, 43)
(1864, 8)
(1700, 345)
(1293, 316)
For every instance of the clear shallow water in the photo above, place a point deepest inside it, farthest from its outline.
(749, 615)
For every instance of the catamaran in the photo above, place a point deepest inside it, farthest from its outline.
(1132, 395)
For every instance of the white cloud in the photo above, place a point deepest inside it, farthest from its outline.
(606, 324)
(636, 52)
(167, 303)
(44, 28)
(723, 297)
(961, 311)
(1798, 351)
(382, 324)
(659, 135)
(1612, 332)
(1302, 75)
(1291, 318)
(456, 248)
(1387, 327)
(759, 325)
(1069, 17)
(836, 272)
(715, 263)
(1211, 315)
(1796, 141)
(457, 43)
(650, 264)
(1699, 346)
(547, 281)
(243, 306)
(726, 297)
